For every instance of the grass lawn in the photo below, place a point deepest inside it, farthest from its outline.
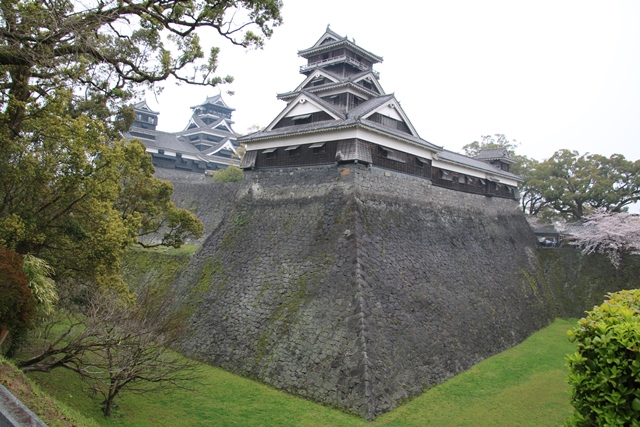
(524, 386)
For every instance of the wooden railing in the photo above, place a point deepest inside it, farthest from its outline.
(340, 58)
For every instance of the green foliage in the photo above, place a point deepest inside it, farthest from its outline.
(605, 371)
(568, 184)
(42, 286)
(572, 185)
(73, 193)
(76, 198)
(230, 174)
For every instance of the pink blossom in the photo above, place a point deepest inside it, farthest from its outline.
(610, 233)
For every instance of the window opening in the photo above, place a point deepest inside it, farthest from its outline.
(293, 151)
(446, 175)
(318, 148)
(271, 153)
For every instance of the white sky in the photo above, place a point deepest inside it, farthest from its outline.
(550, 74)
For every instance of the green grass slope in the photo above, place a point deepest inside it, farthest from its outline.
(47, 409)
(524, 386)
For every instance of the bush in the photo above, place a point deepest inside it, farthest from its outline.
(230, 174)
(605, 371)
(17, 306)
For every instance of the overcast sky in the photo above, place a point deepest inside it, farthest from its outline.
(550, 74)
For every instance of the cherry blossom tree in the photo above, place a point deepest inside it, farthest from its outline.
(610, 233)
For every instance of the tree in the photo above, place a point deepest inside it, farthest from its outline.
(41, 284)
(610, 233)
(604, 371)
(499, 140)
(522, 163)
(76, 197)
(72, 191)
(27, 291)
(104, 49)
(115, 346)
(230, 174)
(573, 185)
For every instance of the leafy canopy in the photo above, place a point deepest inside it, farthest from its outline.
(573, 185)
(75, 197)
(104, 49)
(72, 192)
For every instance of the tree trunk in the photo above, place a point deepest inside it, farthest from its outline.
(108, 402)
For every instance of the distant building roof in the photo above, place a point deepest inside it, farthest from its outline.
(475, 163)
(495, 154)
(207, 140)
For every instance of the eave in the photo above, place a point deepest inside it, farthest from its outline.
(289, 95)
(496, 171)
(344, 42)
(357, 124)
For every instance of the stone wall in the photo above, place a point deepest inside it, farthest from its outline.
(359, 288)
(579, 283)
(201, 195)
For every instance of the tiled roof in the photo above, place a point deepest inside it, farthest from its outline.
(162, 140)
(494, 154)
(170, 142)
(327, 105)
(369, 105)
(352, 118)
(450, 156)
(142, 105)
(215, 100)
(327, 86)
(340, 41)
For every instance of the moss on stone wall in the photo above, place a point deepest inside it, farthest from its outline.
(154, 267)
(578, 282)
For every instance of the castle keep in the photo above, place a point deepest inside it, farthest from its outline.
(340, 113)
(358, 264)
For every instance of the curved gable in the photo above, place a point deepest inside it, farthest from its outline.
(302, 106)
(391, 114)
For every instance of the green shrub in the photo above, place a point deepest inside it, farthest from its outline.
(230, 174)
(605, 371)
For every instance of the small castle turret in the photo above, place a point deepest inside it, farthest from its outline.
(208, 142)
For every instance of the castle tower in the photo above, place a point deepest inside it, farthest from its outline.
(146, 118)
(340, 114)
(208, 142)
(210, 128)
(339, 72)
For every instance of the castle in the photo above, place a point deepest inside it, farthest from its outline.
(207, 143)
(340, 114)
(358, 264)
